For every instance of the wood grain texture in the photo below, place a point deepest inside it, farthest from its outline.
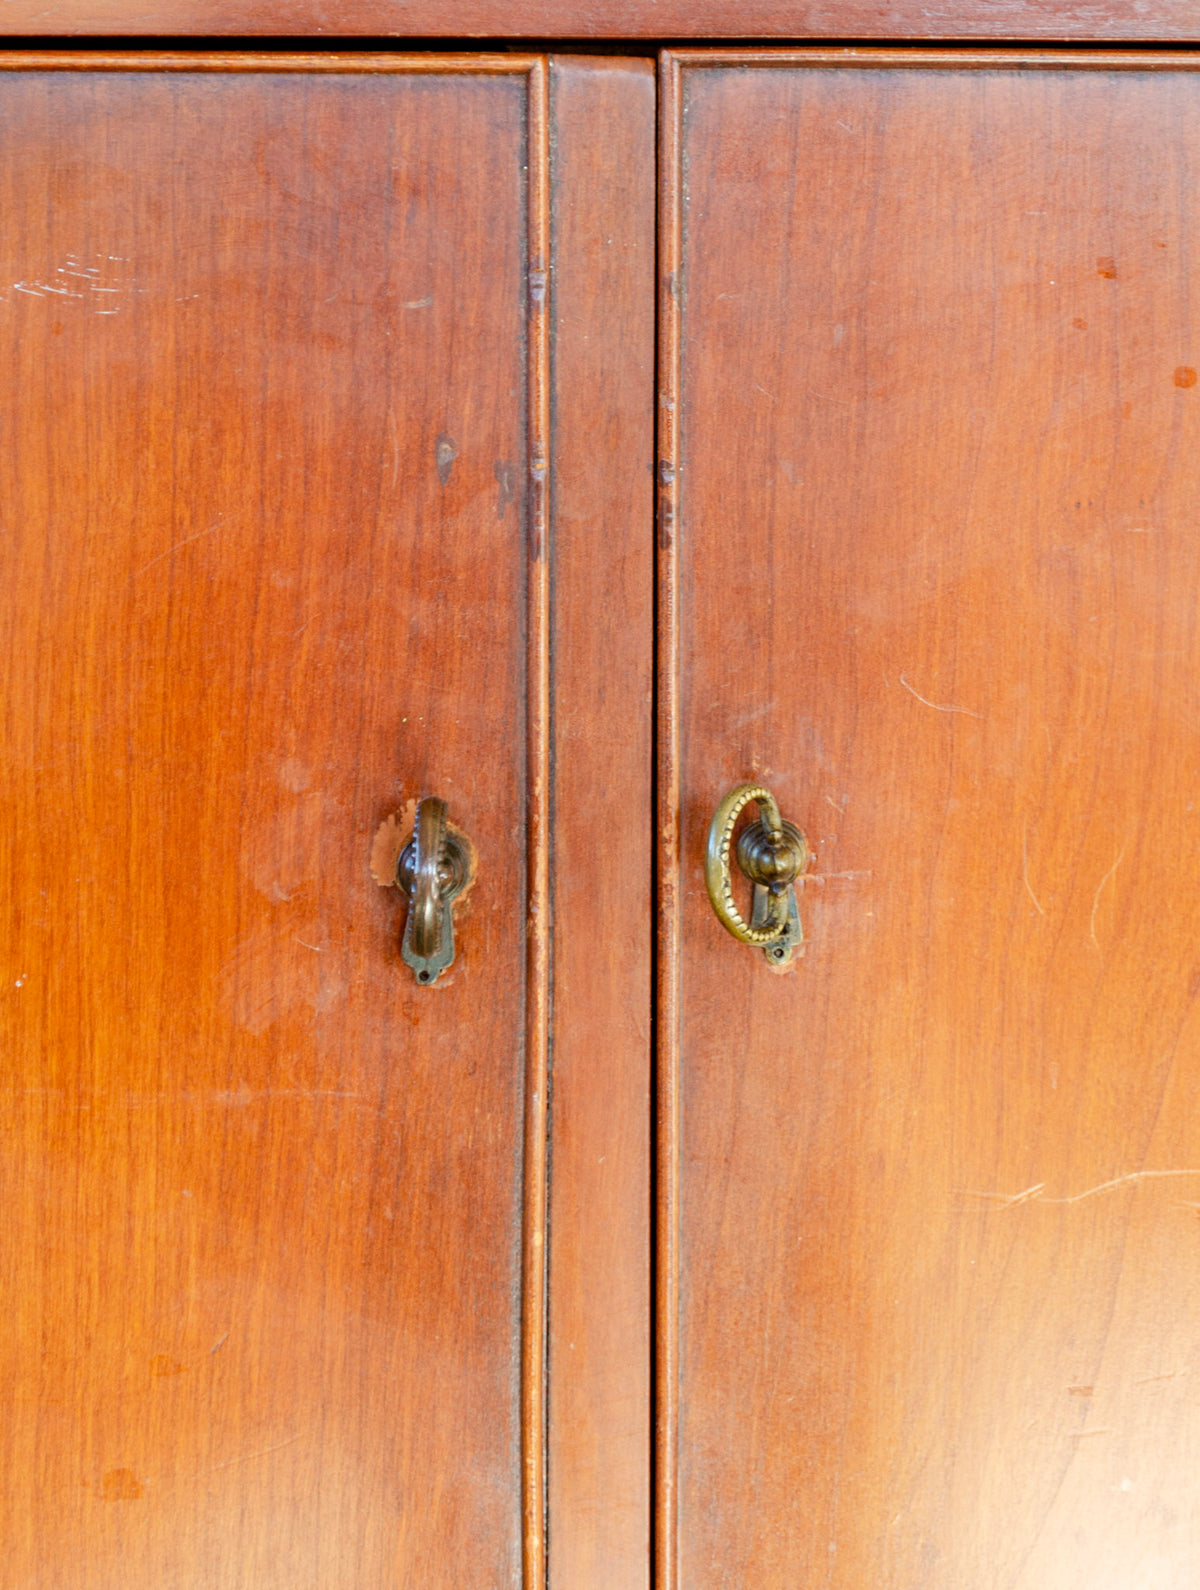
(266, 1200)
(937, 480)
(603, 123)
(1155, 21)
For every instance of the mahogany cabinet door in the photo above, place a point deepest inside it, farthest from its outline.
(278, 515)
(930, 1252)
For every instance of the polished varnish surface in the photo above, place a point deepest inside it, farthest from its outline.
(263, 527)
(931, 573)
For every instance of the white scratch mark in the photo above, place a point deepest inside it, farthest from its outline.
(320, 949)
(765, 393)
(1025, 871)
(221, 1343)
(1011, 1200)
(1150, 1380)
(1079, 1435)
(1122, 1181)
(833, 877)
(20, 287)
(419, 303)
(187, 541)
(937, 707)
(1099, 891)
(246, 1456)
(1036, 1192)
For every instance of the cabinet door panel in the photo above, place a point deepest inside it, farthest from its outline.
(274, 407)
(930, 571)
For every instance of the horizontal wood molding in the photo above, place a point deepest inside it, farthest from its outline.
(1066, 21)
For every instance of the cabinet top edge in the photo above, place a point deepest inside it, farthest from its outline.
(1019, 21)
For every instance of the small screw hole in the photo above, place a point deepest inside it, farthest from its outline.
(423, 977)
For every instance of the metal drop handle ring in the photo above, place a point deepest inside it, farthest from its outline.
(772, 853)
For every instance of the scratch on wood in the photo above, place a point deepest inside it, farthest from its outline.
(1025, 871)
(1037, 1191)
(937, 707)
(246, 1456)
(1011, 1200)
(186, 542)
(1100, 890)
(1122, 1181)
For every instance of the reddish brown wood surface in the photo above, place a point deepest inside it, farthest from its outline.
(1164, 21)
(603, 115)
(936, 482)
(265, 416)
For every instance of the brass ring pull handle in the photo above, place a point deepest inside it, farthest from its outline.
(432, 869)
(772, 853)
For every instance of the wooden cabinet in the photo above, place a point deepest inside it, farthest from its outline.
(332, 414)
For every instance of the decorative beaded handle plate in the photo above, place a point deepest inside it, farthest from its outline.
(772, 853)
